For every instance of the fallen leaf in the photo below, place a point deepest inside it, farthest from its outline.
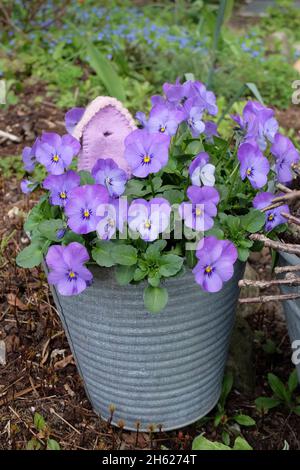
(64, 362)
(13, 300)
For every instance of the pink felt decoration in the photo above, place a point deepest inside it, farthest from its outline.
(102, 130)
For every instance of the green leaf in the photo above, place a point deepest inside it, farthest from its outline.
(30, 256)
(154, 279)
(243, 253)
(139, 274)
(106, 72)
(124, 274)
(226, 438)
(33, 444)
(244, 420)
(39, 422)
(226, 388)
(254, 90)
(40, 212)
(135, 188)
(49, 228)
(102, 254)
(52, 445)
(85, 177)
(155, 248)
(124, 254)
(264, 404)
(241, 444)
(72, 237)
(296, 410)
(170, 265)
(293, 381)
(155, 299)
(201, 443)
(253, 221)
(174, 196)
(278, 387)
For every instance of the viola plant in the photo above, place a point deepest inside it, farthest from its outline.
(189, 199)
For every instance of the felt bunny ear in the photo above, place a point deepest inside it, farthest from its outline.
(102, 130)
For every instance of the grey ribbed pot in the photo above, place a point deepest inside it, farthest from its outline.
(291, 307)
(159, 369)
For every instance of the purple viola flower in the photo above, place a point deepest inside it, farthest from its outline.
(198, 214)
(107, 173)
(82, 207)
(28, 186)
(158, 99)
(257, 124)
(113, 217)
(149, 218)
(205, 99)
(72, 118)
(146, 153)
(28, 156)
(60, 187)
(273, 216)
(201, 171)
(286, 156)
(164, 119)
(216, 263)
(210, 131)
(177, 93)
(67, 270)
(55, 152)
(254, 165)
(194, 118)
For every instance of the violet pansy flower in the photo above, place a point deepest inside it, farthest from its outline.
(201, 171)
(149, 218)
(67, 270)
(60, 187)
(164, 119)
(146, 153)
(273, 216)
(56, 152)
(81, 208)
(72, 118)
(29, 158)
(216, 263)
(194, 119)
(198, 214)
(258, 124)
(177, 93)
(205, 99)
(210, 131)
(286, 156)
(107, 173)
(113, 217)
(254, 165)
(142, 118)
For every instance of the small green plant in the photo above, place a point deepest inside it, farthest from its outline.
(282, 395)
(42, 440)
(201, 443)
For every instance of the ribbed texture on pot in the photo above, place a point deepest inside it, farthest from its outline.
(159, 369)
(291, 307)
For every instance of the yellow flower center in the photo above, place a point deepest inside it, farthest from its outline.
(198, 211)
(72, 274)
(208, 269)
(271, 217)
(147, 159)
(147, 224)
(56, 158)
(249, 171)
(162, 129)
(86, 213)
(63, 195)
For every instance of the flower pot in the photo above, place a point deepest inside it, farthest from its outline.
(159, 369)
(291, 307)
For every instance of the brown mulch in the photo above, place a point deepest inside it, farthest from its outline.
(40, 376)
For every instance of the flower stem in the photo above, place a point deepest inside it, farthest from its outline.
(231, 180)
(151, 185)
